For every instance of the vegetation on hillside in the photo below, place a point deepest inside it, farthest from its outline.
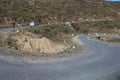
(54, 32)
(113, 40)
(97, 26)
(51, 11)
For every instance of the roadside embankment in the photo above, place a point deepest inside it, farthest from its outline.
(50, 39)
(113, 38)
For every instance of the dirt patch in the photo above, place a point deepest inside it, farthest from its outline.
(42, 45)
(28, 42)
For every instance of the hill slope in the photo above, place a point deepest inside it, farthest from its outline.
(55, 11)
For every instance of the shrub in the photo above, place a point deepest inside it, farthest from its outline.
(53, 32)
(101, 26)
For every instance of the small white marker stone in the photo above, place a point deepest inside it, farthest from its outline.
(73, 47)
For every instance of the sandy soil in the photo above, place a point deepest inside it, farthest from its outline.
(32, 43)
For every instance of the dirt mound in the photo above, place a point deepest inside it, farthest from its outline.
(27, 43)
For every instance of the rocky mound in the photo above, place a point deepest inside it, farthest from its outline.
(29, 42)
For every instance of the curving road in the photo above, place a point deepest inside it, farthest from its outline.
(101, 62)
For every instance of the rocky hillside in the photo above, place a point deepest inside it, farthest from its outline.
(56, 11)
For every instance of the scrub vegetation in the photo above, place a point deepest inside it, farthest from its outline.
(55, 32)
(52, 11)
(98, 26)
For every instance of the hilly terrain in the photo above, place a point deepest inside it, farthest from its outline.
(56, 11)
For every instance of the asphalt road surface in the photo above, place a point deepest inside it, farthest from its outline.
(6, 29)
(101, 61)
(10, 28)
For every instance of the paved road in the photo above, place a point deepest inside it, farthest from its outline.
(10, 28)
(101, 62)
(6, 29)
